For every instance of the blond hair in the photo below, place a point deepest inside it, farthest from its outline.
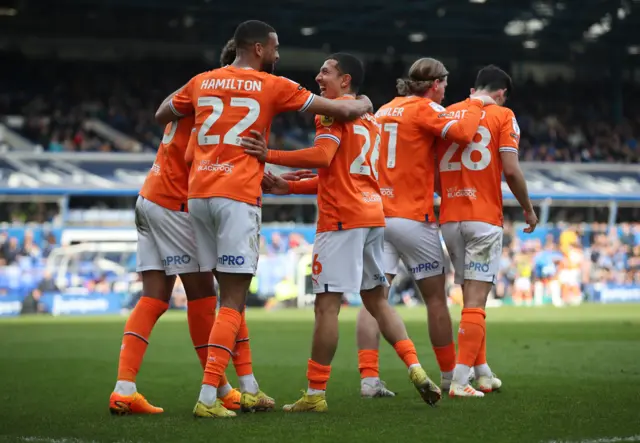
(422, 74)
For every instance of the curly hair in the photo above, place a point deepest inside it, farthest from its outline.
(228, 54)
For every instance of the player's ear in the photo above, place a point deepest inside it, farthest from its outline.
(473, 90)
(346, 81)
(258, 49)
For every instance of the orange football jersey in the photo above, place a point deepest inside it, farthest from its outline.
(348, 191)
(227, 103)
(471, 175)
(167, 182)
(409, 127)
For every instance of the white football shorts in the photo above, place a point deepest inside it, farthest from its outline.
(417, 243)
(348, 261)
(165, 240)
(474, 248)
(227, 233)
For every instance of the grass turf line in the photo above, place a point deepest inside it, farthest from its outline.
(569, 374)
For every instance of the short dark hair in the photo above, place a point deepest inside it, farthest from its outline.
(350, 64)
(251, 32)
(493, 78)
(228, 54)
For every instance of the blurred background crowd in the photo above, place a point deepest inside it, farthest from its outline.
(560, 121)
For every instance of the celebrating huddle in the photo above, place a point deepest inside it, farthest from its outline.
(199, 214)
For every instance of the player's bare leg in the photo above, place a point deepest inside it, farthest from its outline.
(394, 331)
(368, 341)
(156, 289)
(323, 349)
(472, 343)
(201, 314)
(233, 293)
(439, 323)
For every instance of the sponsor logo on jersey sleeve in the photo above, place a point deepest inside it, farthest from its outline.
(436, 107)
(516, 128)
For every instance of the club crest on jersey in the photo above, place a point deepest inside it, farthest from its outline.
(326, 121)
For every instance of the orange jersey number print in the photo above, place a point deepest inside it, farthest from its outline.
(348, 191)
(471, 175)
(167, 182)
(227, 103)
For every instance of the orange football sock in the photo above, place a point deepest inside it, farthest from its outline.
(470, 335)
(201, 314)
(136, 336)
(368, 363)
(481, 359)
(242, 352)
(318, 375)
(407, 352)
(446, 356)
(221, 343)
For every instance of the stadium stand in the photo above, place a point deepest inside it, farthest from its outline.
(77, 134)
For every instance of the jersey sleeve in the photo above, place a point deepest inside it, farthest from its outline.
(309, 186)
(440, 122)
(291, 96)
(509, 133)
(191, 146)
(182, 104)
(325, 145)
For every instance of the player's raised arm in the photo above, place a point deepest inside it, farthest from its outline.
(509, 140)
(293, 97)
(176, 105)
(342, 110)
(458, 127)
(320, 155)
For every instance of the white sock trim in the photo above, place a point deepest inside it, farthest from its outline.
(208, 395)
(124, 387)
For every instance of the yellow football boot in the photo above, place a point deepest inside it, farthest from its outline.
(217, 410)
(308, 403)
(429, 391)
(259, 402)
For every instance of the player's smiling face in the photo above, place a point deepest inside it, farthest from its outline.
(330, 80)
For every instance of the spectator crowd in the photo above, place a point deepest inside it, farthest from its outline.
(560, 121)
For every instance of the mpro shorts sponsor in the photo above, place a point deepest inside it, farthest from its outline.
(166, 240)
(416, 244)
(228, 234)
(474, 248)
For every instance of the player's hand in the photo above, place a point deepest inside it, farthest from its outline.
(485, 99)
(294, 176)
(365, 102)
(531, 219)
(272, 184)
(255, 146)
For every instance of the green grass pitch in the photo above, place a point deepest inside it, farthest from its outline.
(569, 374)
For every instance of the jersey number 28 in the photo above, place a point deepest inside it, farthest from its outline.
(465, 159)
(358, 166)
